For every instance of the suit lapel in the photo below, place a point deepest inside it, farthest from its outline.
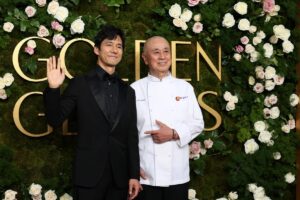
(121, 103)
(97, 91)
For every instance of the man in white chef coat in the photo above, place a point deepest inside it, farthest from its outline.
(168, 118)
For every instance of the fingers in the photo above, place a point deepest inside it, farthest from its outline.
(143, 174)
(135, 190)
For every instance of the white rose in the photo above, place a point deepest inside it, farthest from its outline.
(266, 102)
(274, 112)
(264, 136)
(281, 32)
(228, 20)
(252, 187)
(233, 196)
(175, 10)
(30, 11)
(230, 106)
(2, 83)
(251, 146)
(186, 15)
(8, 79)
(10, 195)
(31, 44)
(77, 26)
(273, 39)
(261, 34)
(256, 40)
(66, 197)
(251, 80)
(292, 123)
(3, 94)
(294, 100)
(276, 155)
(289, 177)
(259, 193)
(241, 8)
(197, 18)
(58, 40)
(267, 113)
(285, 128)
(234, 99)
(270, 72)
(184, 26)
(192, 194)
(8, 27)
(260, 126)
(244, 24)
(203, 151)
(237, 56)
(287, 46)
(52, 7)
(249, 48)
(272, 99)
(254, 56)
(61, 13)
(252, 29)
(222, 198)
(50, 195)
(35, 189)
(227, 96)
(269, 85)
(43, 31)
(41, 3)
(258, 88)
(278, 79)
(178, 22)
(268, 50)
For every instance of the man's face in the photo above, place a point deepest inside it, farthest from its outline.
(110, 52)
(157, 55)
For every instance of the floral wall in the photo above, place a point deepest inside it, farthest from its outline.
(251, 155)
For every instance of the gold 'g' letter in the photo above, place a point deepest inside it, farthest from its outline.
(16, 116)
(15, 59)
(214, 113)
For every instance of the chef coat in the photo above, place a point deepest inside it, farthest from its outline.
(173, 102)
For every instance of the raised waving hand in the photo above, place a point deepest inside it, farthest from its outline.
(55, 73)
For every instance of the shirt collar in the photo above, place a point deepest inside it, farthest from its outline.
(103, 75)
(155, 79)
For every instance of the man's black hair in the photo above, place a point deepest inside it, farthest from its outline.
(109, 32)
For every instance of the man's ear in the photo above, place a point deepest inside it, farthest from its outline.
(145, 58)
(96, 51)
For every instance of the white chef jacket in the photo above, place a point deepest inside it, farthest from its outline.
(173, 102)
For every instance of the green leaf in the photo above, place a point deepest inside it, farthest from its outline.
(76, 2)
(31, 66)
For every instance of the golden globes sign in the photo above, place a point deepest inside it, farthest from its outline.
(62, 55)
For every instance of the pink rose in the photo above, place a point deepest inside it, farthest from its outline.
(41, 3)
(239, 48)
(195, 147)
(244, 40)
(258, 88)
(192, 3)
(56, 26)
(198, 27)
(267, 113)
(208, 143)
(292, 123)
(3, 94)
(269, 6)
(58, 40)
(29, 50)
(30, 11)
(278, 79)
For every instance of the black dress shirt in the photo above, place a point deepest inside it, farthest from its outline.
(110, 84)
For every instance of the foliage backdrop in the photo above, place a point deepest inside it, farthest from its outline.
(223, 168)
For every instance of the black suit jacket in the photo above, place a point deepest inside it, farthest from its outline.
(98, 142)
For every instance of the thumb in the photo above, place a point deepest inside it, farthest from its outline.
(159, 123)
(130, 189)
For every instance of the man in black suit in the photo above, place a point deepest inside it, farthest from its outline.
(106, 164)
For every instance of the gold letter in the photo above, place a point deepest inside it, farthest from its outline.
(62, 54)
(214, 113)
(15, 59)
(174, 59)
(209, 62)
(16, 116)
(138, 58)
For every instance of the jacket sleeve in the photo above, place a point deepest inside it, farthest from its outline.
(133, 150)
(194, 124)
(57, 106)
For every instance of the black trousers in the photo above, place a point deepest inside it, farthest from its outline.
(106, 189)
(173, 192)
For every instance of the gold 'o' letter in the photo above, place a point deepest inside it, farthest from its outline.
(16, 116)
(62, 54)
